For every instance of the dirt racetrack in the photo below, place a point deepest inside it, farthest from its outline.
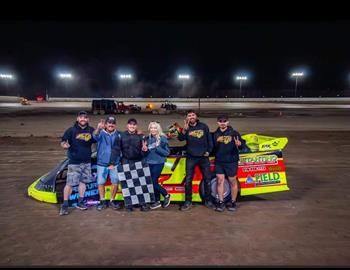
(308, 225)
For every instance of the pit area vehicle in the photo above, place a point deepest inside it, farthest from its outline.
(165, 108)
(24, 101)
(109, 106)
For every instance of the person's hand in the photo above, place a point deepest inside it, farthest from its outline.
(186, 123)
(144, 146)
(237, 141)
(65, 145)
(111, 167)
(206, 154)
(101, 124)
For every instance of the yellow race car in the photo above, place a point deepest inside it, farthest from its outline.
(260, 170)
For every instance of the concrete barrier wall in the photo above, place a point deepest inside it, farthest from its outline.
(135, 100)
(9, 99)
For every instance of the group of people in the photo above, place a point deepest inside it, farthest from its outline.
(115, 147)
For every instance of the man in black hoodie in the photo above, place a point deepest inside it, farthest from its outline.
(199, 145)
(227, 143)
(132, 147)
(78, 141)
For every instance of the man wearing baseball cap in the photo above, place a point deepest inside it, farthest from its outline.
(106, 136)
(227, 143)
(77, 140)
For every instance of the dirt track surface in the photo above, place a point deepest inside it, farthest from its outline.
(308, 225)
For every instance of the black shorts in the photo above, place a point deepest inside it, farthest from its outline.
(228, 169)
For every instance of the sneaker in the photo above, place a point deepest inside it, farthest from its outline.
(186, 206)
(209, 204)
(64, 210)
(129, 208)
(220, 207)
(166, 201)
(115, 205)
(102, 205)
(81, 206)
(231, 206)
(155, 205)
(144, 208)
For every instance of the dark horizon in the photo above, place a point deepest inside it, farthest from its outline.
(214, 51)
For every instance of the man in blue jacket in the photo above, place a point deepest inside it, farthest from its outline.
(227, 143)
(106, 136)
(199, 146)
(78, 141)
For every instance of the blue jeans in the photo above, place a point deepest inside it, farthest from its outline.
(156, 170)
(103, 172)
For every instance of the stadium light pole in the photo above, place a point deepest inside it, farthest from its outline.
(6, 77)
(241, 79)
(125, 78)
(65, 77)
(296, 75)
(185, 78)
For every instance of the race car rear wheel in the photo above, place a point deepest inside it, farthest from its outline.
(214, 193)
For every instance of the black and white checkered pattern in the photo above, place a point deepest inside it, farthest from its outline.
(136, 182)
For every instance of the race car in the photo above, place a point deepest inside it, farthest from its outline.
(260, 170)
(165, 108)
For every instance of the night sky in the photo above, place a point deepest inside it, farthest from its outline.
(213, 52)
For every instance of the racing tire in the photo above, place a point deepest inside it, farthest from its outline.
(59, 186)
(214, 194)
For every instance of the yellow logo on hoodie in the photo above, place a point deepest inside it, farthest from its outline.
(224, 139)
(197, 133)
(84, 137)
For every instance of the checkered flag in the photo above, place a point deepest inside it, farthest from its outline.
(136, 182)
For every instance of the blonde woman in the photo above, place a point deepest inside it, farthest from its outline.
(158, 151)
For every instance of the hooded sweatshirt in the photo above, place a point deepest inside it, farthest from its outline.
(80, 140)
(198, 138)
(225, 148)
(157, 154)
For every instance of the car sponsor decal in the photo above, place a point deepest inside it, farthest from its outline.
(244, 171)
(263, 180)
(267, 159)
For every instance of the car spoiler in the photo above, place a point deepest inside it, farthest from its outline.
(264, 143)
